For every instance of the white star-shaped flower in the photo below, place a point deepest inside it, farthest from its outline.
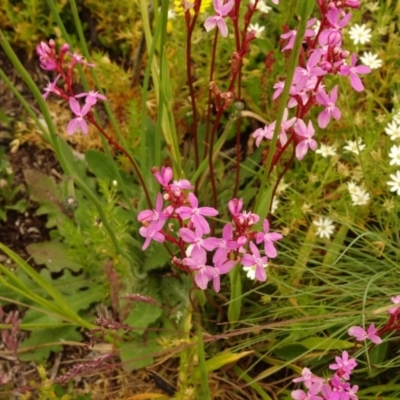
(257, 28)
(394, 155)
(360, 34)
(352, 146)
(326, 150)
(371, 60)
(395, 182)
(393, 130)
(325, 227)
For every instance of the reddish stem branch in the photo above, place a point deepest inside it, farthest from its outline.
(126, 154)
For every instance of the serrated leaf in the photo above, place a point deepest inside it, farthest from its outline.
(100, 165)
(142, 315)
(139, 354)
(156, 257)
(53, 254)
(319, 343)
(44, 341)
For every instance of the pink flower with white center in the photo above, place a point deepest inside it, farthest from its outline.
(256, 262)
(247, 218)
(267, 132)
(78, 59)
(196, 240)
(286, 124)
(51, 87)
(268, 239)
(91, 97)
(223, 245)
(360, 334)
(330, 108)
(222, 268)
(79, 121)
(164, 177)
(196, 213)
(305, 132)
(153, 215)
(291, 35)
(302, 75)
(333, 35)
(235, 206)
(222, 10)
(395, 300)
(308, 378)
(344, 365)
(152, 233)
(311, 395)
(180, 185)
(353, 71)
(197, 262)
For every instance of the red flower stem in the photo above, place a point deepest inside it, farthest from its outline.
(190, 28)
(126, 154)
(208, 121)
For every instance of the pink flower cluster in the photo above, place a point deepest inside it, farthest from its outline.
(63, 63)
(321, 55)
(182, 222)
(335, 388)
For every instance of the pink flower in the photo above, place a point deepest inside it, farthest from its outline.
(395, 300)
(291, 35)
(311, 395)
(267, 132)
(51, 87)
(330, 108)
(153, 215)
(268, 239)
(302, 75)
(91, 97)
(222, 10)
(196, 213)
(255, 260)
(79, 121)
(235, 206)
(205, 273)
(152, 232)
(306, 132)
(222, 268)
(196, 240)
(46, 56)
(164, 177)
(333, 35)
(308, 378)
(223, 245)
(360, 334)
(353, 72)
(344, 366)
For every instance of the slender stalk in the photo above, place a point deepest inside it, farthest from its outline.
(55, 141)
(262, 202)
(209, 103)
(190, 27)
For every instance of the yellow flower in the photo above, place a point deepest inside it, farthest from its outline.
(188, 4)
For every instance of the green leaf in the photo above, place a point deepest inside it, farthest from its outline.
(42, 342)
(219, 361)
(53, 254)
(156, 257)
(320, 343)
(100, 165)
(142, 315)
(138, 353)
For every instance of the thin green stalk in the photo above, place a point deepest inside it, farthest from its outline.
(235, 303)
(263, 201)
(110, 115)
(205, 388)
(163, 95)
(55, 141)
(24, 103)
